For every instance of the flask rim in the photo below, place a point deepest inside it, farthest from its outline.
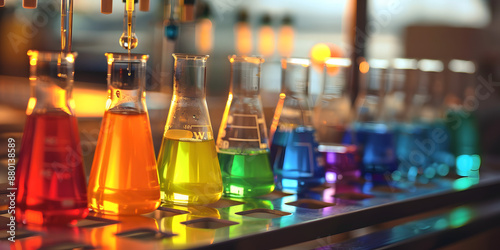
(304, 61)
(337, 62)
(377, 63)
(112, 56)
(249, 59)
(190, 56)
(404, 63)
(430, 65)
(47, 55)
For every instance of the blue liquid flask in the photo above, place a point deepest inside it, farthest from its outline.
(375, 136)
(295, 158)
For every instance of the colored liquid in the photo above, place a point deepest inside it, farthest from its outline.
(463, 129)
(50, 177)
(124, 178)
(246, 174)
(341, 161)
(377, 144)
(189, 171)
(295, 158)
(464, 142)
(439, 135)
(410, 153)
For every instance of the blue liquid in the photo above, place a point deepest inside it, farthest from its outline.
(376, 143)
(410, 155)
(171, 31)
(440, 134)
(423, 150)
(295, 158)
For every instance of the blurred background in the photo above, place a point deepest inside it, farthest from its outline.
(363, 29)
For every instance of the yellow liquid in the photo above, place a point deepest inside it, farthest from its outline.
(189, 171)
(124, 178)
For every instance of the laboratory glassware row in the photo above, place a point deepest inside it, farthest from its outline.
(397, 133)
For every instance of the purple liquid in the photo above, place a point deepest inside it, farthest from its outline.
(341, 162)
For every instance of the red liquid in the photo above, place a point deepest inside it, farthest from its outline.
(49, 177)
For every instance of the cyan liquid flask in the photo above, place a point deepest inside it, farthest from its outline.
(400, 85)
(461, 119)
(295, 158)
(187, 163)
(428, 112)
(242, 143)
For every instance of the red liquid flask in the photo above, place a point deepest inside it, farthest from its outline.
(50, 181)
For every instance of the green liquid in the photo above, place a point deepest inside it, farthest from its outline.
(246, 174)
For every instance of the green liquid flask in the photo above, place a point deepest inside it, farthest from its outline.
(242, 143)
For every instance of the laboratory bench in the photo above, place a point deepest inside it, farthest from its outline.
(349, 215)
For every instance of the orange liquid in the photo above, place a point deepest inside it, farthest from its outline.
(124, 179)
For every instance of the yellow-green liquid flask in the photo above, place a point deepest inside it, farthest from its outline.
(242, 142)
(187, 163)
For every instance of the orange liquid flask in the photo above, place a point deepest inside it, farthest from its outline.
(50, 179)
(124, 179)
(187, 163)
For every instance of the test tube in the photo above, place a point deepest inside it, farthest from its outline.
(106, 6)
(66, 24)
(144, 5)
(29, 4)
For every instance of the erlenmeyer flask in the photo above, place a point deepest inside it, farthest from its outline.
(429, 113)
(461, 119)
(332, 117)
(295, 158)
(374, 136)
(401, 82)
(124, 178)
(242, 141)
(187, 163)
(50, 179)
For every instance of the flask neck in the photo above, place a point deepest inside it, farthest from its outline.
(376, 82)
(189, 76)
(245, 75)
(51, 80)
(126, 82)
(334, 84)
(295, 79)
(433, 87)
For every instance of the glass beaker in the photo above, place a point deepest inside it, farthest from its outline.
(295, 158)
(187, 163)
(124, 178)
(374, 136)
(332, 118)
(242, 142)
(50, 179)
